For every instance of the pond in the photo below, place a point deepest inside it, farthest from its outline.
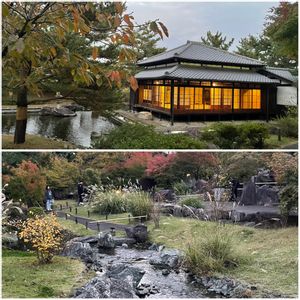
(76, 130)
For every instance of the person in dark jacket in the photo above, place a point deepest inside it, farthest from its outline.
(48, 198)
(80, 190)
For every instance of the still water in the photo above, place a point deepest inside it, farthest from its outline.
(76, 130)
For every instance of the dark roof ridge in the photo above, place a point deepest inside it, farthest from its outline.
(225, 51)
(186, 46)
(140, 61)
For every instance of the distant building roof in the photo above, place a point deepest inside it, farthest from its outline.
(200, 53)
(282, 73)
(181, 71)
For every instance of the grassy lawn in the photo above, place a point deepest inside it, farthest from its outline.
(273, 143)
(22, 277)
(35, 142)
(273, 254)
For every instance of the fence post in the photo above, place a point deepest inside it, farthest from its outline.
(140, 219)
(76, 220)
(67, 204)
(279, 134)
(70, 209)
(89, 213)
(76, 210)
(106, 217)
(60, 207)
(98, 227)
(66, 215)
(129, 218)
(86, 224)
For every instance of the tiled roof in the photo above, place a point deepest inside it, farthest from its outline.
(198, 52)
(203, 73)
(281, 73)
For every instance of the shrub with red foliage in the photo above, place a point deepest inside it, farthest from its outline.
(27, 183)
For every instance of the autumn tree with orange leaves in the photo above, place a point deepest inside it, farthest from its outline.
(34, 46)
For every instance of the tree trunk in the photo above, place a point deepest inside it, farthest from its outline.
(21, 116)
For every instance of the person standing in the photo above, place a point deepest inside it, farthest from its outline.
(80, 190)
(48, 198)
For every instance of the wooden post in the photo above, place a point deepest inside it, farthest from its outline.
(279, 134)
(86, 224)
(268, 99)
(67, 204)
(89, 213)
(129, 219)
(66, 216)
(172, 102)
(76, 210)
(76, 220)
(106, 217)
(98, 227)
(60, 207)
(70, 208)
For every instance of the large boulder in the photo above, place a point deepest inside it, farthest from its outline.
(201, 186)
(11, 241)
(119, 241)
(166, 259)
(267, 195)
(74, 107)
(138, 232)
(100, 287)
(249, 196)
(57, 112)
(165, 195)
(78, 249)
(106, 241)
(265, 175)
(123, 271)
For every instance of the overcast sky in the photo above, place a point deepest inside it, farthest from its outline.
(191, 20)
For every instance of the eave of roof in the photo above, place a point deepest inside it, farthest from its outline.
(203, 73)
(200, 53)
(281, 73)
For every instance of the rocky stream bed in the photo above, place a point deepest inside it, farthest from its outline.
(126, 269)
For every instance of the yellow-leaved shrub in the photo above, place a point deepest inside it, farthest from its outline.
(44, 234)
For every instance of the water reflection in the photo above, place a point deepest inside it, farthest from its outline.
(76, 130)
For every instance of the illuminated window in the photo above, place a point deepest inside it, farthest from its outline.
(158, 82)
(236, 104)
(216, 94)
(194, 82)
(206, 98)
(175, 96)
(256, 100)
(227, 98)
(246, 97)
(205, 83)
(198, 98)
(167, 97)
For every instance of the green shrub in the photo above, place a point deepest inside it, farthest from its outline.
(181, 188)
(228, 136)
(35, 212)
(110, 202)
(288, 126)
(137, 136)
(139, 204)
(212, 252)
(225, 136)
(254, 135)
(192, 202)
